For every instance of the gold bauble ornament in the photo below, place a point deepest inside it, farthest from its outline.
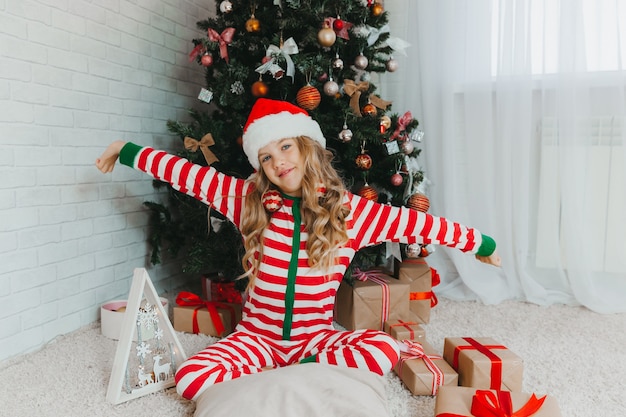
(253, 25)
(368, 192)
(326, 37)
(308, 97)
(419, 202)
(385, 121)
(259, 89)
(377, 9)
(369, 110)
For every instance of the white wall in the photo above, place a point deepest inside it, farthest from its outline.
(75, 75)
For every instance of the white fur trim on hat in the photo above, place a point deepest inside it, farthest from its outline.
(272, 120)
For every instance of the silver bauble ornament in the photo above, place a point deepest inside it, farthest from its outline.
(338, 63)
(413, 250)
(226, 6)
(392, 65)
(407, 147)
(346, 134)
(331, 88)
(361, 61)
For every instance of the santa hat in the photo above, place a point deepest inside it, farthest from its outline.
(271, 120)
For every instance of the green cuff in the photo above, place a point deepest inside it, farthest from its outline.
(487, 247)
(312, 358)
(128, 153)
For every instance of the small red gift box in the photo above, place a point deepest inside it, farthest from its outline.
(216, 288)
(483, 363)
(470, 402)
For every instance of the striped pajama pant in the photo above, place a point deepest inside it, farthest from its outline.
(243, 353)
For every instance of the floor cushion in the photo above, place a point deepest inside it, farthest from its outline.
(308, 389)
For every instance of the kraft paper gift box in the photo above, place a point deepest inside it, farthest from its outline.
(483, 363)
(470, 402)
(195, 315)
(368, 304)
(419, 276)
(403, 329)
(422, 370)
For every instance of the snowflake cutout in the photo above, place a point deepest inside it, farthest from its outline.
(143, 349)
(158, 334)
(237, 88)
(147, 315)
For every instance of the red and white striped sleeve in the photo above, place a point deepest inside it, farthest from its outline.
(373, 223)
(222, 192)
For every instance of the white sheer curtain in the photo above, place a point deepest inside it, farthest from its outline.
(523, 107)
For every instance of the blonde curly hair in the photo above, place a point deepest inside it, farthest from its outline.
(324, 216)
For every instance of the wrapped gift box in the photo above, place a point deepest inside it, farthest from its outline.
(216, 288)
(426, 372)
(420, 278)
(206, 316)
(402, 329)
(368, 304)
(470, 402)
(483, 363)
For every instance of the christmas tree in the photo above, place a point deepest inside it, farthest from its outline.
(320, 55)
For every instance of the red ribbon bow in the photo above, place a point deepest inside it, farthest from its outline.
(489, 404)
(189, 299)
(403, 122)
(224, 40)
(414, 350)
(196, 51)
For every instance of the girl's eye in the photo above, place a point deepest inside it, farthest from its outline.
(286, 146)
(265, 158)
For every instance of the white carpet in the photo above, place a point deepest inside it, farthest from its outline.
(571, 353)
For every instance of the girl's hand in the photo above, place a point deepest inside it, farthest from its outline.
(493, 259)
(107, 160)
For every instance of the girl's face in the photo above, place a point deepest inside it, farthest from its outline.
(283, 164)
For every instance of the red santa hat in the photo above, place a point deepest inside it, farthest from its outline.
(271, 120)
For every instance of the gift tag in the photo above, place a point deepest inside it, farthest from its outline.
(205, 95)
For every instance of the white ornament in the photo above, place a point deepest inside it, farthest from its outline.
(226, 6)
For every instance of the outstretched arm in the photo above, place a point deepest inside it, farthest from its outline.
(109, 157)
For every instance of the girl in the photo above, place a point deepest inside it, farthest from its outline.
(301, 228)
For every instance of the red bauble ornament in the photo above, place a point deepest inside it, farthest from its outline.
(206, 60)
(308, 97)
(363, 161)
(338, 24)
(259, 89)
(368, 192)
(419, 202)
(272, 200)
(396, 180)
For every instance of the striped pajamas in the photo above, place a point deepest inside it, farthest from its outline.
(288, 315)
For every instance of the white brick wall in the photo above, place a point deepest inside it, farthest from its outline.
(75, 75)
